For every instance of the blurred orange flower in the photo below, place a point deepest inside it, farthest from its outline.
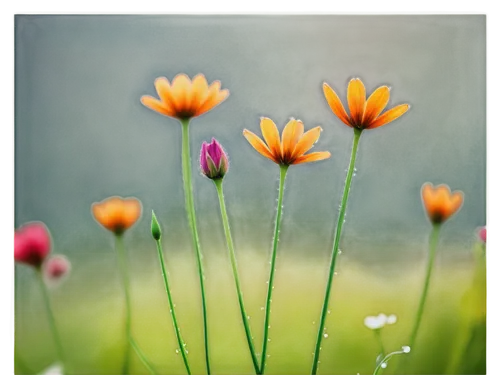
(365, 114)
(293, 145)
(117, 214)
(440, 203)
(184, 99)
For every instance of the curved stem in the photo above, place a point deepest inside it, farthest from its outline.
(188, 192)
(335, 250)
(433, 241)
(172, 307)
(232, 256)
(379, 367)
(52, 322)
(123, 266)
(283, 170)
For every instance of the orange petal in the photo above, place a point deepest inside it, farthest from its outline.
(306, 142)
(456, 201)
(199, 91)
(428, 196)
(259, 145)
(291, 135)
(335, 104)
(99, 214)
(375, 104)
(388, 116)
(214, 97)
(271, 136)
(313, 156)
(181, 92)
(156, 105)
(165, 92)
(131, 211)
(356, 99)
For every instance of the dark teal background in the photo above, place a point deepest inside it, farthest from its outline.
(82, 135)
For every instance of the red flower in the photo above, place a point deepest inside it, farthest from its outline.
(31, 244)
(55, 268)
(482, 234)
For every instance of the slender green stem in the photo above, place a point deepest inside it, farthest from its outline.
(52, 322)
(433, 241)
(142, 357)
(378, 336)
(335, 250)
(13, 282)
(379, 367)
(182, 346)
(277, 225)
(232, 256)
(123, 266)
(188, 192)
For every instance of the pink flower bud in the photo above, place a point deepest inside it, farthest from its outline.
(481, 233)
(56, 268)
(31, 244)
(213, 160)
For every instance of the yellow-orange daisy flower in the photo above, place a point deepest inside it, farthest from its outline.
(364, 114)
(440, 203)
(184, 99)
(293, 145)
(117, 214)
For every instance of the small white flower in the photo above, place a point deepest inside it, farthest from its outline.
(54, 369)
(375, 322)
(391, 319)
(406, 349)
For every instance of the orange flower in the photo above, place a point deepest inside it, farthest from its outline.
(440, 203)
(365, 114)
(117, 214)
(294, 143)
(184, 99)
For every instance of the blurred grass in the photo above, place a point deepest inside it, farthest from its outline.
(89, 311)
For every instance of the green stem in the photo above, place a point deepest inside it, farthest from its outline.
(379, 367)
(122, 263)
(232, 256)
(433, 241)
(188, 192)
(283, 170)
(13, 282)
(52, 322)
(123, 266)
(379, 339)
(182, 347)
(142, 357)
(335, 250)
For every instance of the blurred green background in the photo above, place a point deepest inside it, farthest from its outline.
(82, 135)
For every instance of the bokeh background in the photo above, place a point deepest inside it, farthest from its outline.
(82, 135)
